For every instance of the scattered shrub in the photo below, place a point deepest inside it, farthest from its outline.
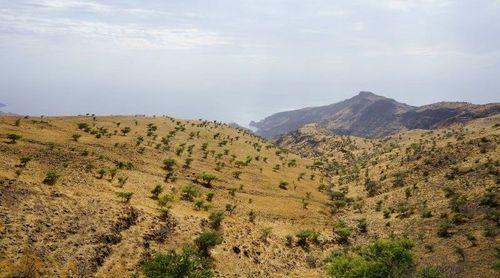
(13, 137)
(51, 178)
(126, 196)
(157, 190)
(216, 218)
(190, 192)
(206, 241)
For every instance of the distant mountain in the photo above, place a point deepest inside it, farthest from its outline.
(371, 115)
(237, 126)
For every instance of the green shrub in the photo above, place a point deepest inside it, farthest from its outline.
(157, 190)
(207, 240)
(216, 218)
(444, 228)
(51, 178)
(76, 136)
(362, 225)
(165, 199)
(210, 196)
(186, 263)
(206, 178)
(307, 235)
(13, 137)
(342, 231)
(23, 161)
(100, 173)
(189, 192)
(382, 258)
(126, 196)
(169, 163)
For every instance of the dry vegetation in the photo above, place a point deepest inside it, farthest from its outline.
(117, 196)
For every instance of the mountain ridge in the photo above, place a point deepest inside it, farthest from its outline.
(373, 116)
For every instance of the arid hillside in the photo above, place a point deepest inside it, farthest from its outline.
(102, 196)
(65, 184)
(440, 187)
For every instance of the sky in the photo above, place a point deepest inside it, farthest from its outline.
(242, 60)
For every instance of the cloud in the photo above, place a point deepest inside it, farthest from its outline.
(70, 4)
(126, 36)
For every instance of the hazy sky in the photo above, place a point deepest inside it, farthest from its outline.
(241, 60)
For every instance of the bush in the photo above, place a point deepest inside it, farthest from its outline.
(371, 187)
(51, 178)
(210, 196)
(342, 231)
(382, 258)
(125, 130)
(207, 240)
(168, 164)
(190, 192)
(100, 173)
(126, 196)
(362, 225)
(13, 137)
(236, 174)
(187, 263)
(76, 136)
(206, 179)
(216, 218)
(307, 235)
(23, 161)
(444, 227)
(165, 199)
(156, 191)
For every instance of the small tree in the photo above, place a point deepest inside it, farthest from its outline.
(100, 173)
(168, 164)
(187, 162)
(207, 179)
(236, 174)
(112, 173)
(51, 178)
(207, 240)
(125, 130)
(210, 196)
(126, 196)
(216, 218)
(230, 208)
(76, 136)
(266, 232)
(13, 137)
(122, 181)
(156, 191)
(23, 161)
(342, 231)
(165, 199)
(190, 192)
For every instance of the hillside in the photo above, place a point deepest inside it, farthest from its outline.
(438, 186)
(80, 225)
(374, 116)
(76, 196)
